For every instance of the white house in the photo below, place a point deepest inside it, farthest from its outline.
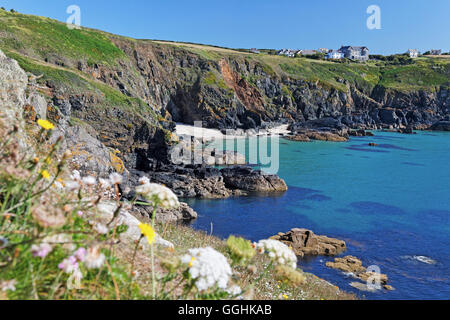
(334, 54)
(413, 53)
(287, 52)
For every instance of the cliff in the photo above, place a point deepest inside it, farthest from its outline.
(129, 92)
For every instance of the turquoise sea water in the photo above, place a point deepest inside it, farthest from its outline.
(390, 203)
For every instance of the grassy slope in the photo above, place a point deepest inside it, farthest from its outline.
(43, 38)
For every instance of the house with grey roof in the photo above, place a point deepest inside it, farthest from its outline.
(355, 53)
(305, 52)
(435, 52)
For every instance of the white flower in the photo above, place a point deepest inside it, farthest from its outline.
(89, 181)
(94, 259)
(115, 178)
(234, 290)
(8, 285)
(208, 268)
(76, 176)
(74, 281)
(278, 252)
(101, 228)
(144, 180)
(104, 183)
(158, 193)
(73, 185)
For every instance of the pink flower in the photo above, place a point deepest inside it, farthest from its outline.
(41, 250)
(80, 213)
(69, 265)
(80, 254)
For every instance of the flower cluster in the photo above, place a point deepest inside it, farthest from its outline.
(208, 268)
(280, 253)
(158, 194)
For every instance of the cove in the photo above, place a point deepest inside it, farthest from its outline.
(389, 203)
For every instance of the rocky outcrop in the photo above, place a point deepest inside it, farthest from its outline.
(305, 242)
(182, 213)
(247, 179)
(353, 265)
(13, 84)
(441, 125)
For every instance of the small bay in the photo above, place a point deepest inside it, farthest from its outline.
(390, 203)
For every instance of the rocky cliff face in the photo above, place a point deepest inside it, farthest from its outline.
(235, 91)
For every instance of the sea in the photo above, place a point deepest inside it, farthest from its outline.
(389, 202)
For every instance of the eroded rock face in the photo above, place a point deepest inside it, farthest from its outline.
(353, 265)
(305, 242)
(13, 84)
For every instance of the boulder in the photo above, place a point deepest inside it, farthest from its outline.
(353, 265)
(305, 242)
(246, 179)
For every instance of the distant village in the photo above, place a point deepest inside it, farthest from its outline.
(345, 52)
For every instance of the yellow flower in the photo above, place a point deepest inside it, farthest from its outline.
(45, 124)
(285, 297)
(45, 174)
(148, 232)
(191, 264)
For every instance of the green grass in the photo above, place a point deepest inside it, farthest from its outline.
(76, 84)
(45, 38)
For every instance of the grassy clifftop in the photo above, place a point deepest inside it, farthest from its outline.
(49, 40)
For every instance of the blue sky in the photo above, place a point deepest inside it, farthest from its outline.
(296, 24)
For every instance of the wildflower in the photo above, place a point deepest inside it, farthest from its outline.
(45, 124)
(94, 258)
(148, 231)
(48, 219)
(89, 181)
(289, 275)
(115, 178)
(8, 285)
(209, 268)
(104, 183)
(159, 194)
(69, 265)
(76, 176)
(241, 250)
(144, 180)
(45, 174)
(80, 254)
(285, 296)
(191, 263)
(101, 228)
(74, 281)
(278, 252)
(234, 290)
(80, 213)
(73, 185)
(41, 250)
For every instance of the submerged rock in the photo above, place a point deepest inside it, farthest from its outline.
(305, 242)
